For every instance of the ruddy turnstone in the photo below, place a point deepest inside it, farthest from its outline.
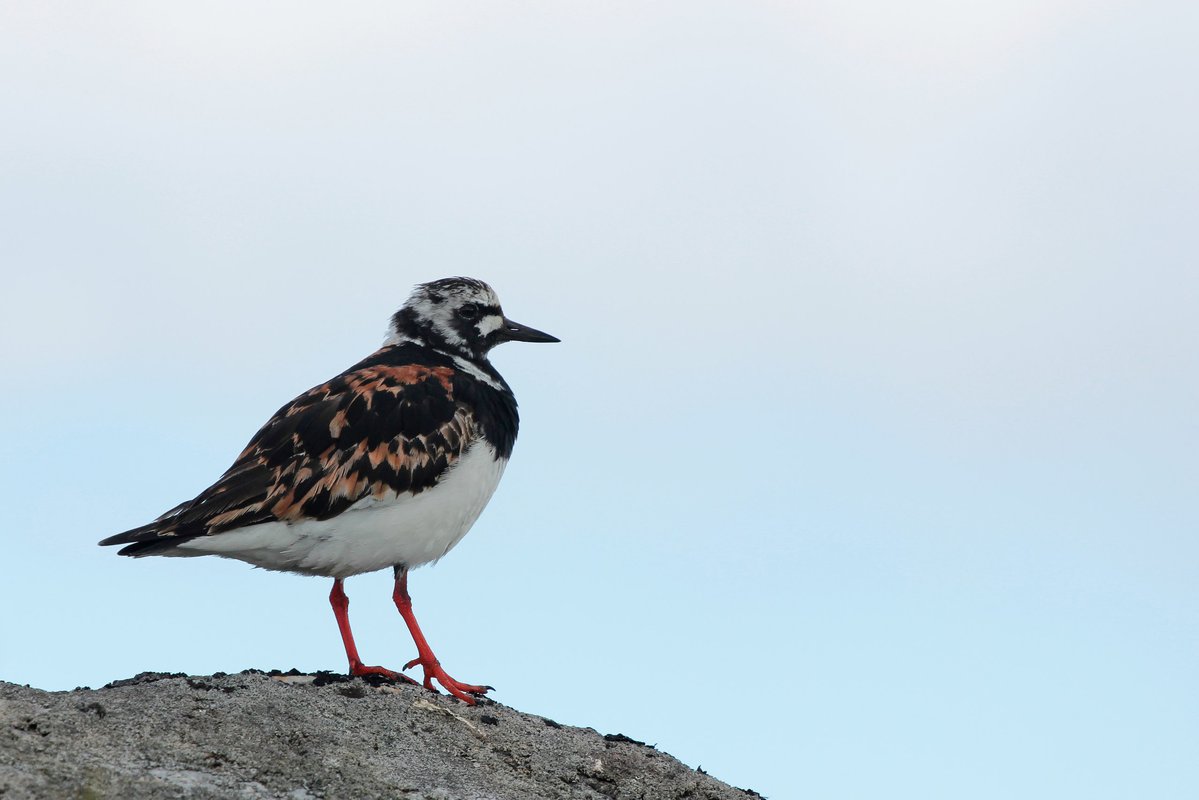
(386, 465)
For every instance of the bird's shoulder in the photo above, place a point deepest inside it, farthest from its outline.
(398, 392)
(391, 424)
(403, 390)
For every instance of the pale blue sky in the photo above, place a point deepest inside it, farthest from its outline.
(867, 465)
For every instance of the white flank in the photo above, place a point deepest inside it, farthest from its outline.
(371, 534)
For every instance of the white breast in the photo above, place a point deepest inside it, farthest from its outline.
(371, 534)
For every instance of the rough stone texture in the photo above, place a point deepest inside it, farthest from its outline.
(254, 735)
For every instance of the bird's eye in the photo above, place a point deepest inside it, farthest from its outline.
(468, 311)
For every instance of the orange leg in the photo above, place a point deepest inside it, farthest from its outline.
(425, 657)
(341, 605)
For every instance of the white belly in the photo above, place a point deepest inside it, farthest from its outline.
(371, 534)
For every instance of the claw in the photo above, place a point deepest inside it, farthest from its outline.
(361, 670)
(462, 691)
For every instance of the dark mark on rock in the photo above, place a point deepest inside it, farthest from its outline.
(93, 708)
(30, 725)
(487, 719)
(291, 673)
(620, 737)
(325, 677)
(208, 687)
(144, 677)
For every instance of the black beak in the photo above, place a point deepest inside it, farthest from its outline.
(515, 332)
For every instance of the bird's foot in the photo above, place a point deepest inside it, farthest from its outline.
(433, 671)
(362, 670)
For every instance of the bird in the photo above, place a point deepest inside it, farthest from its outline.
(387, 465)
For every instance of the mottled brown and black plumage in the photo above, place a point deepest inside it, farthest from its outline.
(391, 424)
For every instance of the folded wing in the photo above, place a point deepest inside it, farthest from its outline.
(376, 430)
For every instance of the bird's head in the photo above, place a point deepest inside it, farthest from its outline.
(460, 316)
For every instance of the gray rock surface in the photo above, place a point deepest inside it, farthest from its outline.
(253, 735)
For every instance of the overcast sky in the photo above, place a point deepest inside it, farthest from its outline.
(867, 465)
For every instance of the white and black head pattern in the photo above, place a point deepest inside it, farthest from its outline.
(460, 316)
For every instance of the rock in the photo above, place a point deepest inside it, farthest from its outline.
(287, 735)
